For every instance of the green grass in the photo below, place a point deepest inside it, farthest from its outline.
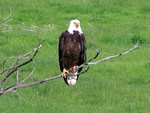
(121, 85)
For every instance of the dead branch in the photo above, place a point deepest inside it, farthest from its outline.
(109, 57)
(17, 76)
(28, 76)
(4, 27)
(16, 66)
(6, 19)
(82, 72)
(11, 88)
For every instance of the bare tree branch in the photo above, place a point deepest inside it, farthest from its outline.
(17, 76)
(10, 89)
(15, 66)
(6, 19)
(28, 76)
(4, 27)
(22, 85)
(82, 72)
(109, 57)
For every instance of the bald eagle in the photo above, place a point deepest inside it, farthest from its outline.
(72, 51)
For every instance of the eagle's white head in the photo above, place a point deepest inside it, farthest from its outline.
(74, 26)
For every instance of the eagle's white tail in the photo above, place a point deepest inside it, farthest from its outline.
(72, 78)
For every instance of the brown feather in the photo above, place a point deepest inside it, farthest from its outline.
(72, 50)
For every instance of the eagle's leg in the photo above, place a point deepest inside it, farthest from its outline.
(64, 73)
(73, 69)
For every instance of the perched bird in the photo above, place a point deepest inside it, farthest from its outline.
(72, 52)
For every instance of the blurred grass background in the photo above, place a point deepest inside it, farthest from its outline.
(120, 85)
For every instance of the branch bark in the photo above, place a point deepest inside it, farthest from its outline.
(11, 88)
(14, 68)
(109, 57)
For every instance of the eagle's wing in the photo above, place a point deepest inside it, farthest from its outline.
(83, 51)
(61, 48)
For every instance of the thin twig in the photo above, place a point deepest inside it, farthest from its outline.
(10, 89)
(114, 56)
(13, 68)
(84, 71)
(107, 58)
(93, 58)
(7, 18)
(28, 76)
(17, 76)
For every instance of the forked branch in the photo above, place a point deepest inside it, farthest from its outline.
(89, 62)
(6, 19)
(16, 66)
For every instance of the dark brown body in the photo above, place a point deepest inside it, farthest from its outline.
(72, 50)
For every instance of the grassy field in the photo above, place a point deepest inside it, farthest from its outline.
(120, 85)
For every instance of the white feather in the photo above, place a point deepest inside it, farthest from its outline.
(71, 80)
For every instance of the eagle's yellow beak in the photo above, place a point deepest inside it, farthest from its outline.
(77, 25)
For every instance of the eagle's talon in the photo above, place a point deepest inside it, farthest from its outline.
(63, 75)
(65, 72)
(73, 69)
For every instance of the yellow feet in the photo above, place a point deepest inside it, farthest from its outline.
(73, 69)
(64, 73)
